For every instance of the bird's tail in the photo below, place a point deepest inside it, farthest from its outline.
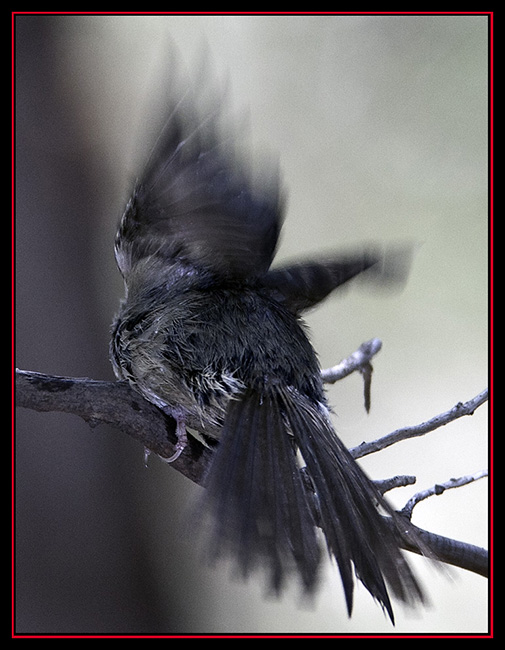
(266, 509)
(356, 532)
(256, 494)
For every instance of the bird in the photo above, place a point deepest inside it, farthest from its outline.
(210, 330)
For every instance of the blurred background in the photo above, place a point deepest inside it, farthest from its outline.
(380, 125)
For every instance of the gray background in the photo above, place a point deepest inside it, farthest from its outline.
(380, 125)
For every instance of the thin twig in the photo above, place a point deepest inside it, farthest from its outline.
(440, 488)
(355, 361)
(359, 360)
(384, 485)
(459, 410)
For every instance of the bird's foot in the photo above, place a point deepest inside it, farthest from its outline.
(182, 438)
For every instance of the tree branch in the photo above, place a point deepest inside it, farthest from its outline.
(467, 408)
(440, 488)
(116, 404)
(450, 551)
(355, 361)
(359, 360)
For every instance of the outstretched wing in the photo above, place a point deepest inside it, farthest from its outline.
(199, 200)
(303, 285)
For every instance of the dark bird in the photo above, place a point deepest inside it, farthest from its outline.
(208, 330)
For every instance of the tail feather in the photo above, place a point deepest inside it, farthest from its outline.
(262, 512)
(255, 494)
(356, 533)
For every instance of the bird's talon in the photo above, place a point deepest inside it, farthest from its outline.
(182, 441)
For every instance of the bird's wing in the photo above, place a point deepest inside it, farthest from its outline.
(303, 285)
(199, 199)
